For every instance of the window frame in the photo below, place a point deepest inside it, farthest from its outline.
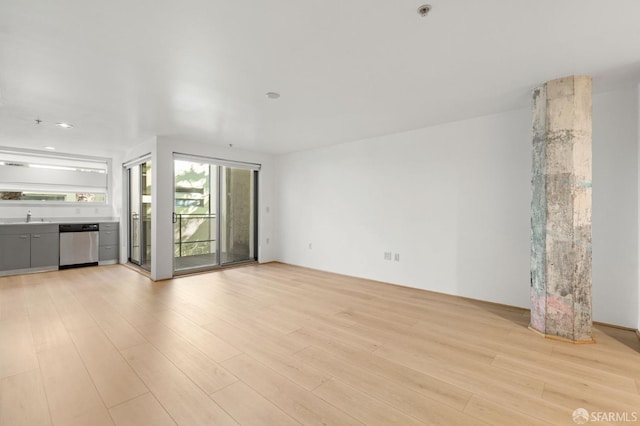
(34, 155)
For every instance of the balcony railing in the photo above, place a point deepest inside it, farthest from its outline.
(190, 226)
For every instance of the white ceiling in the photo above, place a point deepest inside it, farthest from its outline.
(124, 70)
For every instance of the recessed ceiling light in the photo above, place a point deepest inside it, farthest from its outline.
(64, 125)
(424, 10)
(272, 95)
(50, 148)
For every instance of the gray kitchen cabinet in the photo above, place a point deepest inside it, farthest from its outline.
(108, 249)
(45, 249)
(15, 251)
(29, 246)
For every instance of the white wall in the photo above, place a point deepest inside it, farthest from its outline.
(638, 206)
(615, 207)
(47, 212)
(454, 201)
(162, 192)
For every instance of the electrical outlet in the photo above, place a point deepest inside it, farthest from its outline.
(387, 255)
(310, 246)
(396, 257)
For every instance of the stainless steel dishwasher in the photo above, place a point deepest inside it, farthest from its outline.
(79, 243)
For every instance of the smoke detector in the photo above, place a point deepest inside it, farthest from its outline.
(424, 10)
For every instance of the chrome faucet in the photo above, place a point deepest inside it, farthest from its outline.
(28, 216)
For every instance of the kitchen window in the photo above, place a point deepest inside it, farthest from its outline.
(40, 177)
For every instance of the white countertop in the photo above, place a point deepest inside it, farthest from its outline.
(57, 220)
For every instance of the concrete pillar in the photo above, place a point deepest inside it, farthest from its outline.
(561, 210)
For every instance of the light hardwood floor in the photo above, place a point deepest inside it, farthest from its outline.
(278, 345)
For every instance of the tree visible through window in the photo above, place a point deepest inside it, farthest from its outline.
(195, 228)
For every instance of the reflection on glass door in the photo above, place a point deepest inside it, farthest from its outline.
(140, 214)
(237, 214)
(214, 215)
(195, 212)
(134, 214)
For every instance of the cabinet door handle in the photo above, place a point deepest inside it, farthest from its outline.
(24, 237)
(36, 236)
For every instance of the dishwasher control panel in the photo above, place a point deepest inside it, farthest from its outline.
(79, 227)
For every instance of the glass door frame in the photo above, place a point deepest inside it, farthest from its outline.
(220, 165)
(255, 176)
(215, 190)
(142, 237)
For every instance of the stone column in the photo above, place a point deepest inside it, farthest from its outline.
(561, 210)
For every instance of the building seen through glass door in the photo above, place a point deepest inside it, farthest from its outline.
(237, 221)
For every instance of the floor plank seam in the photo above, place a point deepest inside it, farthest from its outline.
(138, 375)
(223, 388)
(46, 395)
(86, 369)
(166, 410)
(366, 391)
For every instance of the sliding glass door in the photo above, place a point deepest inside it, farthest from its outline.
(139, 206)
(214, 214)
(237, 215)
(195, 227)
